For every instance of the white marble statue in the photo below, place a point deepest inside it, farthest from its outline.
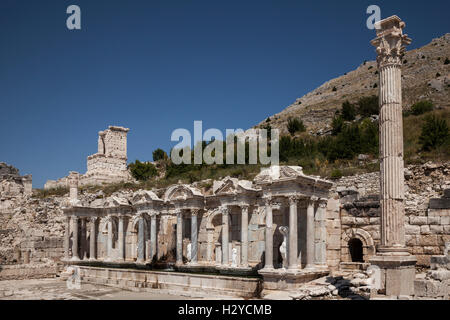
(189, 251)
(284, 245)
(234, 257)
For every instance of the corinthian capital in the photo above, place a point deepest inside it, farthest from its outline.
(390, 41)
(225, 210)
(293, 199)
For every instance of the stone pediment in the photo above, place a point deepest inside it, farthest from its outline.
(232, 186)
(181, 192)
(143, 196)
(115, 202)
(275, 173)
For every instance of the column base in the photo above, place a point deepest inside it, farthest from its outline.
(75, 259)
(396, 276)
(392, 251)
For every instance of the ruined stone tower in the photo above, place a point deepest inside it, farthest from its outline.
(108, 165)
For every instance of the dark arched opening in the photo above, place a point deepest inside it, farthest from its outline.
(355, 247)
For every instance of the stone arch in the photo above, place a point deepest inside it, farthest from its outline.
(368, 245)
(134, 229)
(213, 228)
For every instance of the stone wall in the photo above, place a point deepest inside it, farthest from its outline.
(426, 221)
(12, 186)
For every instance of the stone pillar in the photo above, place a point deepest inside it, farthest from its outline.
(83, 242)
(110, 240)
(67, 238)
(121, 239)
(93, 238)
(179, 237)
(269, 235)
(72, 182)
(141, 240)
(310, 234)
(194, 236)
(210, 239)
(225, 235)
(392, 256)
(27, 185)
(320, 257)
(153, 237)
(244, 236)
(75, 238)
(293, 234)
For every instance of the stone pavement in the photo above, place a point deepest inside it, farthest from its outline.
(56, 289)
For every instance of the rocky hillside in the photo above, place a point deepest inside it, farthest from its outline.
(425, 77)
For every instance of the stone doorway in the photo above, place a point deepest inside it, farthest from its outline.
(355, 248)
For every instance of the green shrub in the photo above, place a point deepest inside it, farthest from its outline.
(434, 133)
(447, 61)
(159, 154)
(368, 106)
(295, 125)
(142, 171)
(337, 125)
(336, 174)
(348, 111)
(334, 89)
(422, 107)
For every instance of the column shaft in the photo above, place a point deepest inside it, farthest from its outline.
(225, 236)
(121, 239)
(269, 237)
(179, 238)
(141, 241)
(153, 237)
(293, 241)
(83, 242)
(391, 158)
(67, 238)
(93, 238)
(310, 235)
(109, 244)
(75, 238)
(244, 236)
(194, 234)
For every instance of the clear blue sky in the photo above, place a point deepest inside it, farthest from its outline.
(154, 66)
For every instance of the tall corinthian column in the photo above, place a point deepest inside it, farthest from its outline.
(153, 238)
(141, 240)
(67, 238)
(179, 238)
(293, 223)
(92, 239)
(244, 236)
(225, 235)
(269, 235)
(194, 236)
(389, 45)
(75, 238)
(392, 256)
(121, 238)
